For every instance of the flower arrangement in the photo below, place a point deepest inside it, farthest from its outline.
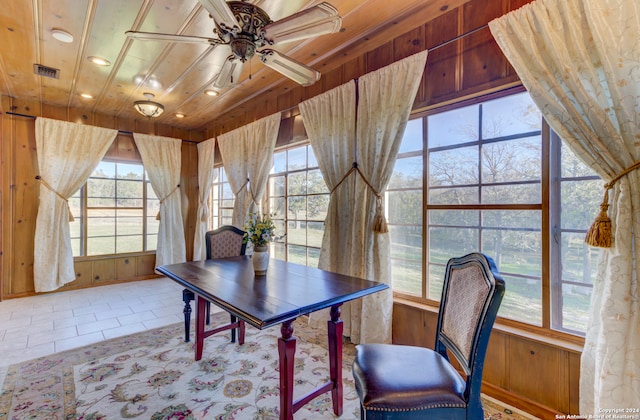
(260, 229)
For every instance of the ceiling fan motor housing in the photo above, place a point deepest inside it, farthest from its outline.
(251, 20)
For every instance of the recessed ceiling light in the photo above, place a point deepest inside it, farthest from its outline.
(179, 115)
(86, 95)
(211, 92)
(62, 35)
(99, 60)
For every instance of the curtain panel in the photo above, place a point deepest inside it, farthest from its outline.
(247, 154)
(67, 155)
(580, 61)
(161, 157)
(206, 156)
(356, 156)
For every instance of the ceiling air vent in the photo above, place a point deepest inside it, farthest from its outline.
(45, 71)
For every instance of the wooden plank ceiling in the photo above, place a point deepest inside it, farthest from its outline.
(176, 73)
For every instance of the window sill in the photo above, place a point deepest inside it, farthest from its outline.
(112, 256)
(548, 337)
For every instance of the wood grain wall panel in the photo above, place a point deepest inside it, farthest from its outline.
(103, 271)
(413, 326)
(354, 69)
(189, 193)
(574, 383)
(146, 266)
(440, 72)
(124, 148)
(126, 268)
(25, 192)
(483, 60)
(495, 366)
(408, 44)
(333, 79)
(83, 270)
(539, 372)
(379, 57)
(286, 100)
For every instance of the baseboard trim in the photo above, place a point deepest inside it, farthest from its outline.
(531, 407)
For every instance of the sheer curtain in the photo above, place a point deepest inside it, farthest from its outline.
(247, 153)
(232, 147)
(67, 154)
(355, 220)
(206, 176)
(580, 61)
(162, 157)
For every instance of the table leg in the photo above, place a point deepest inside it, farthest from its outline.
(286, 350)
(335, 328)
(201, 308)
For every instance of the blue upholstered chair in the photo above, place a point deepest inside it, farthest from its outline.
(407, 382)
(226, 241)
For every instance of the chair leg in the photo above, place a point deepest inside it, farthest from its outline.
(233, 330)
(208, 312)
(187, 297)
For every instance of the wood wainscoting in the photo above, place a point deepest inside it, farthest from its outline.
(528, 371)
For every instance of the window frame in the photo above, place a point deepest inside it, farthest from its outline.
(284, 221)
(85, 208)
(551, 303)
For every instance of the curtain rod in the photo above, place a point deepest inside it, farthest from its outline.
(442, 44)
(16, 114)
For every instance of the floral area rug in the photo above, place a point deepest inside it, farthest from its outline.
(153, 375)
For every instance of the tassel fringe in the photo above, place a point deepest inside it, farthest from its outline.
(380, 224)
(379, 221)
(599, 234)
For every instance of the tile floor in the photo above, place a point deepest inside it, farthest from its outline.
(36, 326)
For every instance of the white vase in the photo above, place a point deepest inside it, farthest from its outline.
(260, 260)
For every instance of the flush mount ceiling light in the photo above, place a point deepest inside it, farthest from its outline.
(149, 108)
(62, 35)
(99, 60)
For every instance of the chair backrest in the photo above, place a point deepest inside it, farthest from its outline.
(471, 295)
(226, 241)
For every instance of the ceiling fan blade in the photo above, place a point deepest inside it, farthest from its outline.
(287, 66)
(229, 73)
(221, 13)
(317, 20)
(153, 36)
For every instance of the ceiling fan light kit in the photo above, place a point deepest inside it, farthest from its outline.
(244, 28)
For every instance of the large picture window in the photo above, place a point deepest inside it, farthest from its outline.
(115, 212)
(475, 178)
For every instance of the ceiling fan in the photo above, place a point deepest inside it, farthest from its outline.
(242, 28)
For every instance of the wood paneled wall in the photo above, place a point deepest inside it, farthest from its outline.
(20, 191)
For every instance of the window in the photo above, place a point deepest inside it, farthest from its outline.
(115, 212)
(579, 190)
(473, 178)
(299, 199)
(221, 200)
